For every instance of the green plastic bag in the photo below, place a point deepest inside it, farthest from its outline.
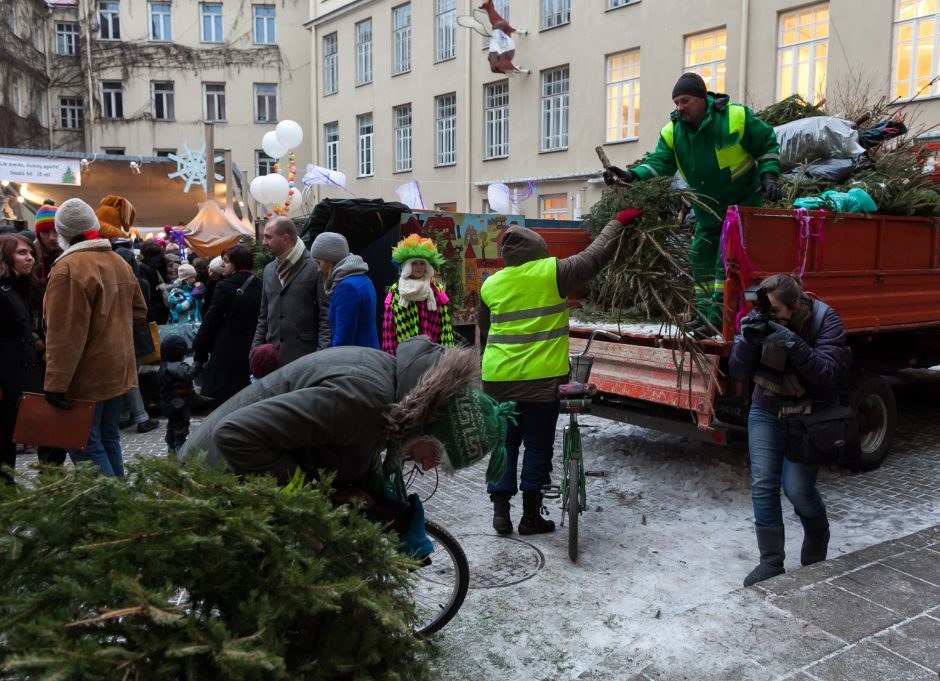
(855, 200)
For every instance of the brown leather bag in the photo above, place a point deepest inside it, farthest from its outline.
(39, 423)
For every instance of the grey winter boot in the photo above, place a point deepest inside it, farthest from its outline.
(502, 523)
(815, 539)
(532, 521)
(770, 541)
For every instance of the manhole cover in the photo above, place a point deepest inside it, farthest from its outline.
(500, 561)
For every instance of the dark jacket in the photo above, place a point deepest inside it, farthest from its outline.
(225, 337)
(521, 245)
(331, 404)
(153, 269)
(352, 305)
(819, 366)
(293, 317)
(20, 367)
(176, 386)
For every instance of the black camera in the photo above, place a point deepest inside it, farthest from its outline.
(758, 327)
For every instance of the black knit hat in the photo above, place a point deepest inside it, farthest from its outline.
(173, 349)
(690, 84)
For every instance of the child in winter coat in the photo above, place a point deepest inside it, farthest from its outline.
(176, 390)
(184, 307)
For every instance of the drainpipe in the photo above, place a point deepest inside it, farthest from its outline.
(742, 64)
(46, 103)
(90, 119)
(468, 127)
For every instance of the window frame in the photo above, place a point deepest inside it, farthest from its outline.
(331, 146)
(331, 64)
(402, 123)
(110, 16)
(217, 23)
(813, 95)
(166, 22)
(554, 105)
(616, 100)
(401, 39)
(268, 22)
(71, 108)
(167, 95)
(496, 120)
(365, 145)
(268, 97)
(364, 62)
(262, 160)
(553, 213)
(219, 98)
(445, 130)
(64, 37)
(554, 13)
(112, 99)
(914, 84)
(716, 81)
(445, 30)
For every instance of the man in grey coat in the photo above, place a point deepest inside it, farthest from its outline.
(294, 305)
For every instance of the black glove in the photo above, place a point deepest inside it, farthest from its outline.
(780, 336)
(613, 173)
(58, 400)
(769, 186)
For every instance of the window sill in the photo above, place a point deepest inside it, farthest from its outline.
(330, 94)
(368, 82)
(266, 43)
(160, 40)
(401, 73)
(552, 28)
(110, 40)
(224, 120)
(445, 59)
(163, 120)
(445, 165)
(364, 177)
(402, 172)
(629, 4)
(552, 151)
(495, 158)
(212, 42)
(623, 141)
(269, 121)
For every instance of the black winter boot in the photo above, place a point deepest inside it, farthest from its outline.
(502, 523)
(770, 541)
(532, 521)
(815, 539)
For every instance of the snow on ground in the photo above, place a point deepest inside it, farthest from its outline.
(668, 528)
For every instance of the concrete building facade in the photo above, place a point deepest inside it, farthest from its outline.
(401, 92)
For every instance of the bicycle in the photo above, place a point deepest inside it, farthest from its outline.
(576, 399)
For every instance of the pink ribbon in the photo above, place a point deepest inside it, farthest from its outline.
(734, 257)
(810, 229)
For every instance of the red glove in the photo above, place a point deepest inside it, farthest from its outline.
(625, 217)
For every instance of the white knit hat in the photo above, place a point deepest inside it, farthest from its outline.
(215, 265)
(330, 246)
(73, 218)
(186, 272)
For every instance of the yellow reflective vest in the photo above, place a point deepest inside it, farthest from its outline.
(528, 336)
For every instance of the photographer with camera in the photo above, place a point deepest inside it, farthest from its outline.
(793, 348)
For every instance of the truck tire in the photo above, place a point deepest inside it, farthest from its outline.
(874, 405)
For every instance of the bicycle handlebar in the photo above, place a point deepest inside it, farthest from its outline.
(599, 332)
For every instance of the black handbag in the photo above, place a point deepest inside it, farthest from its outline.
(827, 435)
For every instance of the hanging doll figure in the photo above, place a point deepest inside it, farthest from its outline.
(502, 48)
(416, 305)
(179, 298)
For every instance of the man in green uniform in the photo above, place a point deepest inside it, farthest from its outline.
(725, 154)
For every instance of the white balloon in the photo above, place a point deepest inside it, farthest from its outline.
(256, 189)
(290, 134)
(500, 198)
(276, 188)
(272, 146)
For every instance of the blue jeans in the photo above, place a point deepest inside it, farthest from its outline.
(104, 442)
(536, 429)
(770, 470)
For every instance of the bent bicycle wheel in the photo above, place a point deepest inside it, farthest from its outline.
(574, 506)
(440, 588)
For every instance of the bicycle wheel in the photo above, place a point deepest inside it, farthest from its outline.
(574, 506)
(440, 588)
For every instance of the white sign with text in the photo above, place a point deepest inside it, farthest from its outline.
(38, 170)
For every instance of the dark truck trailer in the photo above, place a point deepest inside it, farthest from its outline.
(880, 272)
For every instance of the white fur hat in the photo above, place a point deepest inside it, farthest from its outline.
(73, 218)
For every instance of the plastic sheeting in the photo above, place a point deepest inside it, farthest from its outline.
(815, 139)
(214, 229)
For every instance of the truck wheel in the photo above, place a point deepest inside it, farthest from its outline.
(876, 410)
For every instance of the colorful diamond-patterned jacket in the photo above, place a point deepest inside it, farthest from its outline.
(401, 323)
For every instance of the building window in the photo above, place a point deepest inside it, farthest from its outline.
(71, 115)
(446, 207)
(38, 38)
(163, 153)
(802, 53)
(112, 99)
(445, 21)
(555, 13)
(161, 21)
(402, 116)
(164, 101)
(66, 38)
(554, 207)
(211, 14)
(331, 139)
(555, 109)
(446, 130)
(614, 4)
(109, 21)
(623, 96)
(364, 125)
(213, 102)
(330, 66)
(11, 17)
(916, 53)
(496, 120)
(17, 102)
(364, 52)
(265, 102)
(263, 163)
(401, 40)
(264, 24)
(113, 151)
(41, 110)
(705, 55)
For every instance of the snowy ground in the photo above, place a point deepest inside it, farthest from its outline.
(669, 528)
